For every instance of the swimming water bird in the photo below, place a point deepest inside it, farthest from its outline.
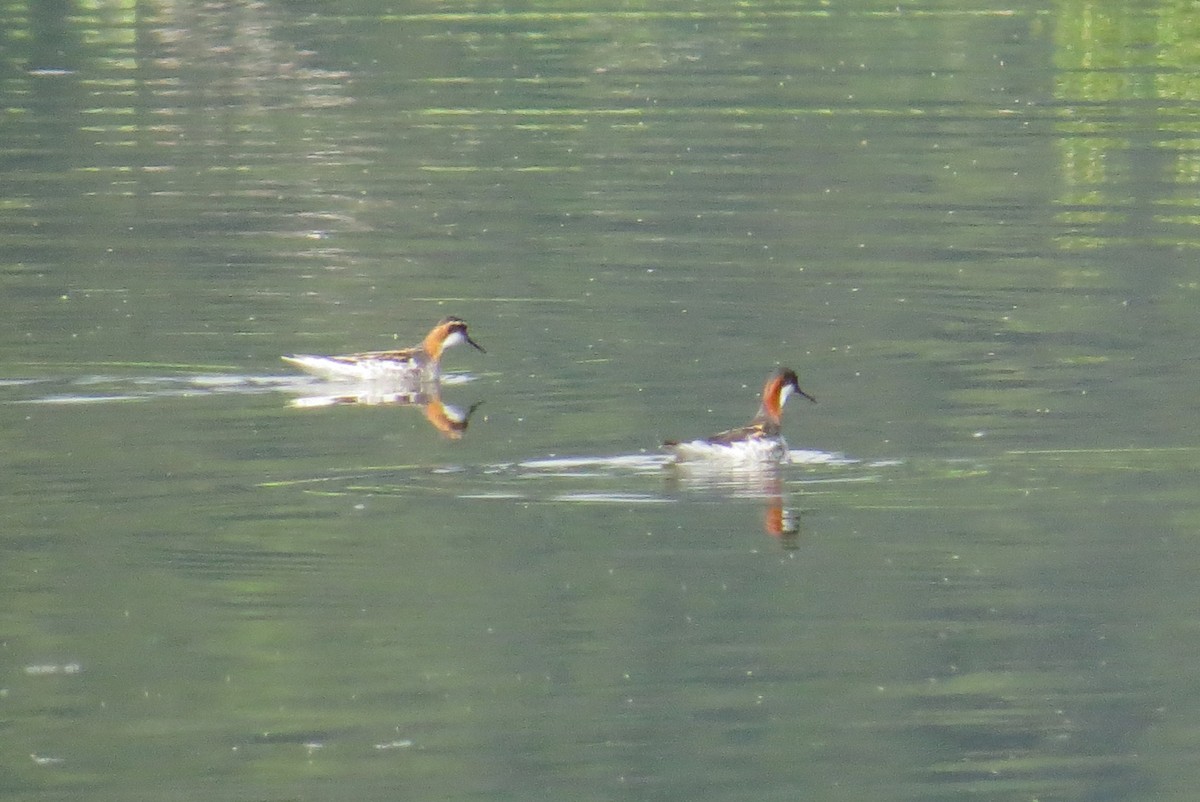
(759, 442)
(418, 363)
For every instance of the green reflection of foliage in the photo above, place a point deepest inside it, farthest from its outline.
(1123, 72)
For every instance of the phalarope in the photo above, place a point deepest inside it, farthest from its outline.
(420, 362)
(761, 441)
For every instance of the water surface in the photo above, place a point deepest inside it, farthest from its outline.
(971, 230)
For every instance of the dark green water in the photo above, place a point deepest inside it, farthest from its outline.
(972, 230)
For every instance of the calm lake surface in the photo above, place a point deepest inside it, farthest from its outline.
(972, 229)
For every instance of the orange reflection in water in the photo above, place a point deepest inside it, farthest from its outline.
(450, 421)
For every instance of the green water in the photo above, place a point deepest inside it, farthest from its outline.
(972, 230)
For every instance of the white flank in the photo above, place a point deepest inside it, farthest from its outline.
(771, 450)
(363, 370)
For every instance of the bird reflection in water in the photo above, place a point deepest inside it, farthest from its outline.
(763, 481)
(450, 421)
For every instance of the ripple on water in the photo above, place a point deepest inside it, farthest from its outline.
(102, 388)
(611, 498)
(643, 478)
